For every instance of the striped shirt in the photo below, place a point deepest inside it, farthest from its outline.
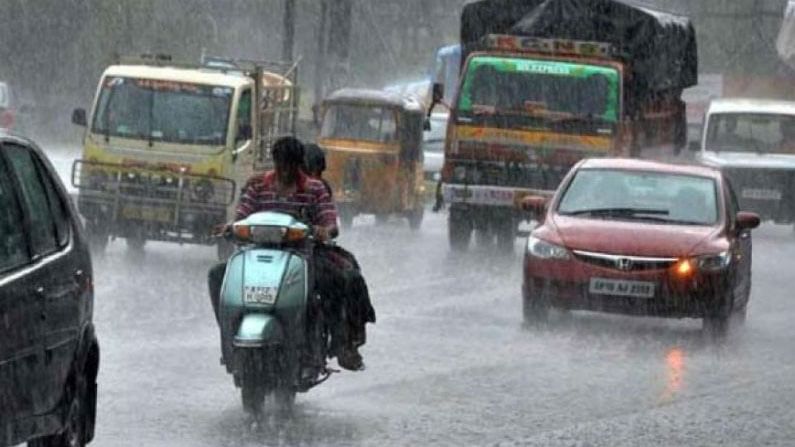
(310, 203)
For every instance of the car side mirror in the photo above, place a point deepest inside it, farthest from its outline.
(694, 146)
(79, 117)
(426, 125)
(244, 132)
(747, 220)
(537, 205)
(437, 94)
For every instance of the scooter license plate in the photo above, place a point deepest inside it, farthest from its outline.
(260, 295)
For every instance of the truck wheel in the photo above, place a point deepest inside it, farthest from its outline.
(98, 238)
(381, 219)
(506, 236)
(415, 218)
(136, 245)
(74, 432)
(284, 398)
(459, 231)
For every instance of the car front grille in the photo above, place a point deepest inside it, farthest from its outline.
(625, 263)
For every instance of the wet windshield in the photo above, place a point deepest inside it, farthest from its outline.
(643, 196)
(751, 132)
(513, 86)
(355, 122)
(173, 112)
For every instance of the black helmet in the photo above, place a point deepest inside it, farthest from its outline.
(314, 159)
(288, 152)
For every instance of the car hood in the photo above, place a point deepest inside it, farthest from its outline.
(748, 160)
(631, 238)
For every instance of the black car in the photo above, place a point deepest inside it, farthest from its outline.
(49, 355)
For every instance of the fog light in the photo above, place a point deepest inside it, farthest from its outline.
(684, 267)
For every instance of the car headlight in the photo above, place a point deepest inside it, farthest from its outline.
(714, 263)
(545, 250)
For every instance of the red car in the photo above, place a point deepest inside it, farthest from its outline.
(640, 238)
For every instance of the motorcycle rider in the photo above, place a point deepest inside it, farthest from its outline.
(359, 309)
(289, 190)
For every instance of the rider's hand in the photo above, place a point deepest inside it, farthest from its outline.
(221, 229)
(322, 233)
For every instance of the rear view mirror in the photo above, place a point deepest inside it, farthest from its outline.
(438, 92)
(79, 117)
(426, 126)
(747, 220)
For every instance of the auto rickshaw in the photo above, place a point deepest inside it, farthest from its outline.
(373, 145)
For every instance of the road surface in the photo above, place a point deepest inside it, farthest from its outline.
(448, 362)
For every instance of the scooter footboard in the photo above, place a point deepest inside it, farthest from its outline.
(257, 331)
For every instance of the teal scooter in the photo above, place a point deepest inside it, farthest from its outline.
(274, 339)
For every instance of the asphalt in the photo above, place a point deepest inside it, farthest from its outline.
(448, 362)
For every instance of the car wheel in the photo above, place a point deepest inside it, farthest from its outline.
(459, 231)
(716, 323)
(74, 433)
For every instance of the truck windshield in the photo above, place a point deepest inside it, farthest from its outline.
(355, 122)
(751, 132)
(546, 89)
(167, 111)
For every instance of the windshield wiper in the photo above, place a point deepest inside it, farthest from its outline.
(642, 213)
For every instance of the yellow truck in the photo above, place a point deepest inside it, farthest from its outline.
(168, 145)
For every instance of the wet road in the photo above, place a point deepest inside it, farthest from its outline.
(448, 362)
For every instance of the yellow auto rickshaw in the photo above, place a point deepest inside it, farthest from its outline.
(373, 145)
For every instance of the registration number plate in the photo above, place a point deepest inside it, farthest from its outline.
(145, 213)
(260, 295)
(761, 194)
(617, 287)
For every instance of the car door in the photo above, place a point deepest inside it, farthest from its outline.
(54, 274)
(741, 248)
(21, 353)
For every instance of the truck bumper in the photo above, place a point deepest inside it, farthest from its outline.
(484, 195)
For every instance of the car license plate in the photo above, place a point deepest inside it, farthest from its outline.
(761, 194)
(260, 295)
(617, 287)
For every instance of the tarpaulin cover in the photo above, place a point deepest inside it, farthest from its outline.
(660, 48)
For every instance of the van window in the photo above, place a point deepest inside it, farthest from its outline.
(244, 111)
(13, 247)
(57, 206)
(34, 198)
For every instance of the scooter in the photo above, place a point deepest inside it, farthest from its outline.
(274, 339)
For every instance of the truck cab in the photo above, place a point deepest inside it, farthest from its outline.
(167, 146)
(753, 142)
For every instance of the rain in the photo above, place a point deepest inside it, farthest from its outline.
(397, 222)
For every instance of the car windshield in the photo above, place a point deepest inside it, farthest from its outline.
(355, 122)
(155, 110)
(552, 89)
(751, 132)
(641, 196)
